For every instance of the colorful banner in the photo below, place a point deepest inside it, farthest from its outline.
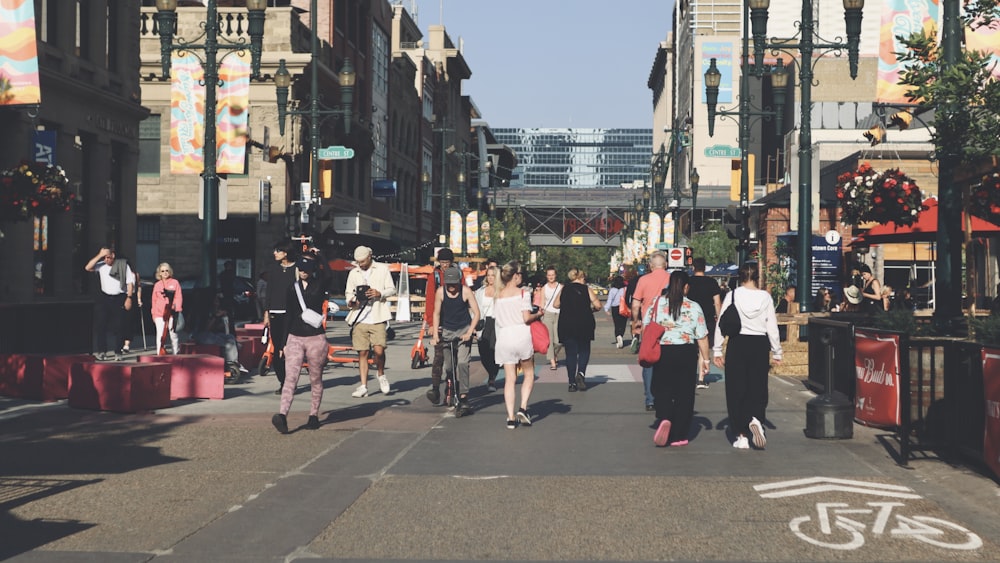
(45, 146)
(903, 18)
(472, 232)
(18, 54)
(187, 115)
(655, 233)
(232, 114)
(484, 235)
(991, 388)
(455, 232)
(876, 365)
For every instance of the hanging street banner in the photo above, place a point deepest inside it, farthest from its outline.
(187, 122)
(18, 54)
(472, 232)
(876, 365)
(455, 232)
(232, 114)
(722, 52)
(655, 233)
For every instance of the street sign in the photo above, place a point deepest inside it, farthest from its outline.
(675, 258)
(722, 151)
(335, 153)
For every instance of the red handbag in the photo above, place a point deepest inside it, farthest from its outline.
(649, 345)
(539, 336)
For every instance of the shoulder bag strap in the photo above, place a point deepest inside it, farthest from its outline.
(298, 292)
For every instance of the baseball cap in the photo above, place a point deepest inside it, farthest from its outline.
(362, 252)
(446, 254)
(452, 275)
(306, 265)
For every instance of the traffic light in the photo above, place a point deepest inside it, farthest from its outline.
(688, 256)
(733, 222)
(735, 177)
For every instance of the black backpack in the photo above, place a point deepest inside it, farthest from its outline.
(729, 322)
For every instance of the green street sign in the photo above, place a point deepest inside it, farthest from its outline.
(335, 153)
(722, 151)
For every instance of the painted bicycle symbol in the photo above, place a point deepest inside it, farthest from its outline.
(838, 526)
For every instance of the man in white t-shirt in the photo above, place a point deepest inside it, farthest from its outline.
(116, 297)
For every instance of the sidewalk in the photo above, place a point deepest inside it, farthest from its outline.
(395, 478)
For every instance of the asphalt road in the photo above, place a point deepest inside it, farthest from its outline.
(393, 478)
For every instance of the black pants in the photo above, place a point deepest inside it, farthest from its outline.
(747, 365)
(488, 359)
(673, 383)
(577, 356)
(279, 334)
(437, 364)
(620, 322)
(109, 317)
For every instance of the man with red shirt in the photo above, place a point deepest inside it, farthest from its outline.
(647, 289)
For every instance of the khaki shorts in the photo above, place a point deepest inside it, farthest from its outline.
(367, 335)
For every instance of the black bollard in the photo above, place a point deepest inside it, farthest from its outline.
(830, 415)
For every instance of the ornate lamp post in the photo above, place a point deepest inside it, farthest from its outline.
(166, 22)
(283, 80)
(805, 43)
(694, 179)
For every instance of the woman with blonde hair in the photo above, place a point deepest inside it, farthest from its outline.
(513, 311)
(576, 304)
(167, 301)
(487, 337)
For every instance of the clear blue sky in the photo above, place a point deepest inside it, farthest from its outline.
(556, 63)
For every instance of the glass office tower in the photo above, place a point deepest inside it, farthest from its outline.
(578, 158)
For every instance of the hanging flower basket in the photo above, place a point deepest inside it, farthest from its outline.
(33, 189)
(867, 195)
(985, 200)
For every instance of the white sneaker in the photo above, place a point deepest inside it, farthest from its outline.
(757, 429)
(383, 384)
(619, 343)
(741, 443)
(362, 391)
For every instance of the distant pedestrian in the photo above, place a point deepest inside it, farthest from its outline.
(546, 299)
(704, 291)
(486, 339)
(368, 287)
(746, 362)
(227, 287)
(455, 316)
(513, 311)
(871, 292)
(612, 306)
(117, 292)
(261, 295)
(684, 357)
(167, 302)
(445, 258)
(822, 301)
(576, 304)
(306, 343)
(786, 305)
(647, 289)
(280, 278)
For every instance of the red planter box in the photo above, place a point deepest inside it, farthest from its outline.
(250, 330)
(193, 376)
(37, 376)
(192, 348)
(251, 350)
(120, 386)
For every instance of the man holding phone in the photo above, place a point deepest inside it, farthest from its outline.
(368, 286)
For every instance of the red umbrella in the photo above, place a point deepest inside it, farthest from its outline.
(340, 265)
(924, 229)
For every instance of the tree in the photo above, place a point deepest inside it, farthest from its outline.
(594, 261)
(509, 239)
(714, 245)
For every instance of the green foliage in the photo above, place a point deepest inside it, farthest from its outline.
(986, 330)
(965, 98)
(509, 240)
(899, 320)
(595, 261)
(714, 245)
(778, 273)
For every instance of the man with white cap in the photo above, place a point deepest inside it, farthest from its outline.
(368, 286)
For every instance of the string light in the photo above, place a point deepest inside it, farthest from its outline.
(404, 252)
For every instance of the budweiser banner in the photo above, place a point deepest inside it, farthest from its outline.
(991, 388)
(876, 364)
(18, 54)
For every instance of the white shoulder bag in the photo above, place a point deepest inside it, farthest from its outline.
(311, 318)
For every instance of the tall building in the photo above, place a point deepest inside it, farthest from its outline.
(577, 158)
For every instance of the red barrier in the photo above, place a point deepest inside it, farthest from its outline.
(876, 362)
(120, 386)
(991, 388)
(36, 376)
(193, 376)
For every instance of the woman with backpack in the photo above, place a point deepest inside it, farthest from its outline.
(746, 356)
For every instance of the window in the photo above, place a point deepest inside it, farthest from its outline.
(149, 146)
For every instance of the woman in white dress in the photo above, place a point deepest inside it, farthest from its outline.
(513, 311)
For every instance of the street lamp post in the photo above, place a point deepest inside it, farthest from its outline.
(713, 78)
(695, 178)
(166, 21)
(283, 80)
(806, 45)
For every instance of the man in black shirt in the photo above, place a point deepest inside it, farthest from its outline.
(704, 291)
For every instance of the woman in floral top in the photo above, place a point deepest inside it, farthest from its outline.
(684, 358)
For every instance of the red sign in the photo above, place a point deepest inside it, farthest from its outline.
(676, 255)
(991, 387)
(876, 365)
